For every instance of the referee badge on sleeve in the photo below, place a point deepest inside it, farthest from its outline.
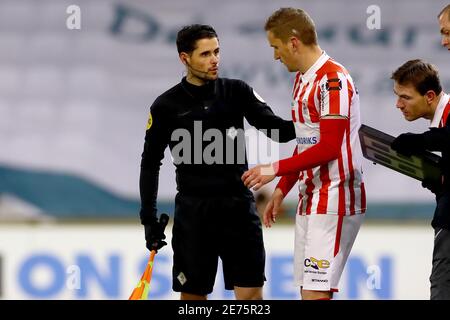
(182, 278)
(150, 121)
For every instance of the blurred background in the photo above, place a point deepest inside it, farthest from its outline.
(74, 104)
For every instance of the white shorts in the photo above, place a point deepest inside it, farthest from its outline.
(322, 245)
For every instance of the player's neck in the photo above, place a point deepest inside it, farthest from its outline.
(434, 105)
(193, 79)
(309, 57)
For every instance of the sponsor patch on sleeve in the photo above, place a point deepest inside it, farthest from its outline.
(333, 84)
(258, 96)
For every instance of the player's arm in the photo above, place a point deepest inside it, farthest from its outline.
(335, 98)
(332, 129)
(335, 101)
(287, 182)
(156, 141)
(261, 116)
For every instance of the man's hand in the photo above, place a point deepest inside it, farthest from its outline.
(258, 176)
(154, 234)
(272, 208)
(434, 186)
(408, 143)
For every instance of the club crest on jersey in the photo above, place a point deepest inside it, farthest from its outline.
(333, 84)
(258, 96)
(150, 121)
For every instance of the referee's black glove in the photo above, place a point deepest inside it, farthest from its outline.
(154, 234)
(408, 143)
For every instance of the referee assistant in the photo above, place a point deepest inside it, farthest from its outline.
(215, 213)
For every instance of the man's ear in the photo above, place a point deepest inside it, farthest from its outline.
(430, 96)
(184, 58)
(295, 42)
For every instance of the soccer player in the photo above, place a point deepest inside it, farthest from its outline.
(201, 120)
(420, 95)
(326, 160)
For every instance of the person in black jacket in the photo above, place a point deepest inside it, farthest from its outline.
(201, 119)
(420, 95)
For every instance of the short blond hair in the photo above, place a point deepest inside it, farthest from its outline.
(446, 10)
(288, 22)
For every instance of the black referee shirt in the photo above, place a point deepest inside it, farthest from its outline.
(203, 127)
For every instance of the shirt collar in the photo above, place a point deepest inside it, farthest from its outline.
(309, 74)
(205, 91)
(439, 110)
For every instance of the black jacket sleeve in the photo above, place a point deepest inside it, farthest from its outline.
(261, 116)
(437, 139)
(156, 141)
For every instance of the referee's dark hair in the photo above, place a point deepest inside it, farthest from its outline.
(188, 36)
(422, 75)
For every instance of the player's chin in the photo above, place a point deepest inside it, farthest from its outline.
(213, 75)
(291, 69)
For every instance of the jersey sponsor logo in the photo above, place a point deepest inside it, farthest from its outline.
(333, 84)
(319, 280)
(258, 96)
(306, 140)
(150, 121)
(316, 263)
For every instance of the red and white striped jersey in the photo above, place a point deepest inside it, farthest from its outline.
(442, 112)
(337, 187)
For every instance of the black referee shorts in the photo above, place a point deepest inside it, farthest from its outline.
(206, 228)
